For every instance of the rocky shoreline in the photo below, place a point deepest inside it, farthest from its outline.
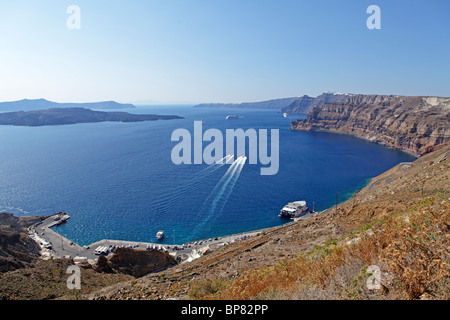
(416, 125)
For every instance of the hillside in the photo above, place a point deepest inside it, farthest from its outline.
(399, 222)
(60, 116)
(414, 124)
(305, 104)
(40, 104)
(17, 250)
(270, 104)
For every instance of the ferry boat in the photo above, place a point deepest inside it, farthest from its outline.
(160, 235)
(231, 117)
(293, 209)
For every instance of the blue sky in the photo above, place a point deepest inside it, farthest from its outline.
(190, 51)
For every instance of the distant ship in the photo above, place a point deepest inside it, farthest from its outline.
(285, 114)
(231, 117)
(160, 235)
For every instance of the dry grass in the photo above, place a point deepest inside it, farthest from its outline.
(411, 248)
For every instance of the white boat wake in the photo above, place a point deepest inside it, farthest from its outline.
(215, 202)
(179, 194)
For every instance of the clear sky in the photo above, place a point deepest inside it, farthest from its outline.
(189, 51)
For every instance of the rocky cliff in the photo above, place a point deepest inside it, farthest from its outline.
(135, 262)
(305, 104)
(17, 250)
(414, 124)
(60, 116)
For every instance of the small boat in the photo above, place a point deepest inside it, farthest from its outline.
(160, 235)
(231, 117)
(285, 115)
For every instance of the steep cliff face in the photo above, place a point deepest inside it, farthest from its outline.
(270, 104)
(305, 104)
(17, 250)
(414, 124)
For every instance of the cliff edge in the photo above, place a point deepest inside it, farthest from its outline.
(414, 124)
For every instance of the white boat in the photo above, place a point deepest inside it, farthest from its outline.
(160, 235)
(231, 117)
(285, 115)
(293, 209)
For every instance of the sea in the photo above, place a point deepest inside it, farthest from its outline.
(118, 181)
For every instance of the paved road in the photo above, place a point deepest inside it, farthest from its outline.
(61, 246)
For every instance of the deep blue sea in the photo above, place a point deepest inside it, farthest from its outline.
(117, 180)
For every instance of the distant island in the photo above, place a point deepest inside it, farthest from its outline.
(416, 125)
(270, 104)
(41, 104)
(61, 116)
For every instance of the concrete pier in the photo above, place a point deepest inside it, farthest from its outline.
(62, 247)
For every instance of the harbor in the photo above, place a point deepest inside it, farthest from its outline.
(55, 245)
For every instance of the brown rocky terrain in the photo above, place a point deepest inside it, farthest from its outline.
(400, 222)
(23, 275)
(413, 124)
(135, 262)
(64, 116)
(17, 250)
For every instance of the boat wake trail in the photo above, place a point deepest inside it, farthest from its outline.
(184, 190)
(215, 202)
